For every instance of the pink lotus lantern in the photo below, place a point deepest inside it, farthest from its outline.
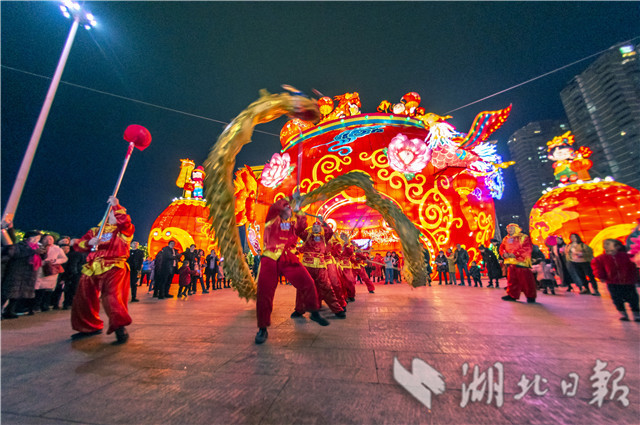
(408, 156)
(276, 170)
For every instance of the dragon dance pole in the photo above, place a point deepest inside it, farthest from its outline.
(138, 137)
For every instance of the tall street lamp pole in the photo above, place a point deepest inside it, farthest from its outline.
(69, 9)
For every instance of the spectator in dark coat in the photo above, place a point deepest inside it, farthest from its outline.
(135, 260)
(166, 264)
(73, 271)
(461, 258)
(474, 271)
(442, 265)
(23, 262)
(494, 271)
(211, 270)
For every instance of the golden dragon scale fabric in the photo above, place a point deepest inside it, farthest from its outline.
(415, 272)
(218, 181)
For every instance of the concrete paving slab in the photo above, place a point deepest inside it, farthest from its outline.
(194, 361)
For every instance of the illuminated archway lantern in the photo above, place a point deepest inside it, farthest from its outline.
(595, 209)
(446, 206)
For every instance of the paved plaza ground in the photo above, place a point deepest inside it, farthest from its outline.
(194, 362)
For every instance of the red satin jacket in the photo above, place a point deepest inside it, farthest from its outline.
(615, 269)
(280, 237)
(113, 248)
(314, 247)
(519, 245)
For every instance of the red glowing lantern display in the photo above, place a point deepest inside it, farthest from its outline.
(185, 221)
(447, 204)
(595, 210)
(450, 200)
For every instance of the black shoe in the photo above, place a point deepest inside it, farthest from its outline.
(135, 300)
(168, 296)
(9, 316)
(295, 315)
(82, 335)
(55, 307)
(344, 308)
(315, 316)
(351, 299)
(341, 315)
(508, 298)
(596, 294)
(205, 292)
(553, 292)
(624, 319)
(490, 285)
(475, 286)
(261, 336)
(531, 300)
(544, 291)
(371, 292)
(121, 335)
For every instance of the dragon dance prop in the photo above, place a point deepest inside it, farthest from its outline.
(220, 190)
(218, 181)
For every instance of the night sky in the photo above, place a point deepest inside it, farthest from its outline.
(206, 61)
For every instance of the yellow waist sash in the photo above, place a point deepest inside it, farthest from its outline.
(100, 266)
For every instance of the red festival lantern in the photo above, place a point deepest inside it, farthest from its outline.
(325, 104)
(595, 210)
(411, 99)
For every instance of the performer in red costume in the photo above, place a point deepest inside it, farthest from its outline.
(330, 258)
(516, 250)
(280, 239)
(359, 261)
(313, 252)
(346, 272)
(106, 276)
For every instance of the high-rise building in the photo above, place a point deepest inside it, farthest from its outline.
(603, 107)
(528, 148)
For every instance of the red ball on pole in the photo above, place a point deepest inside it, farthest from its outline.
(138, 135)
